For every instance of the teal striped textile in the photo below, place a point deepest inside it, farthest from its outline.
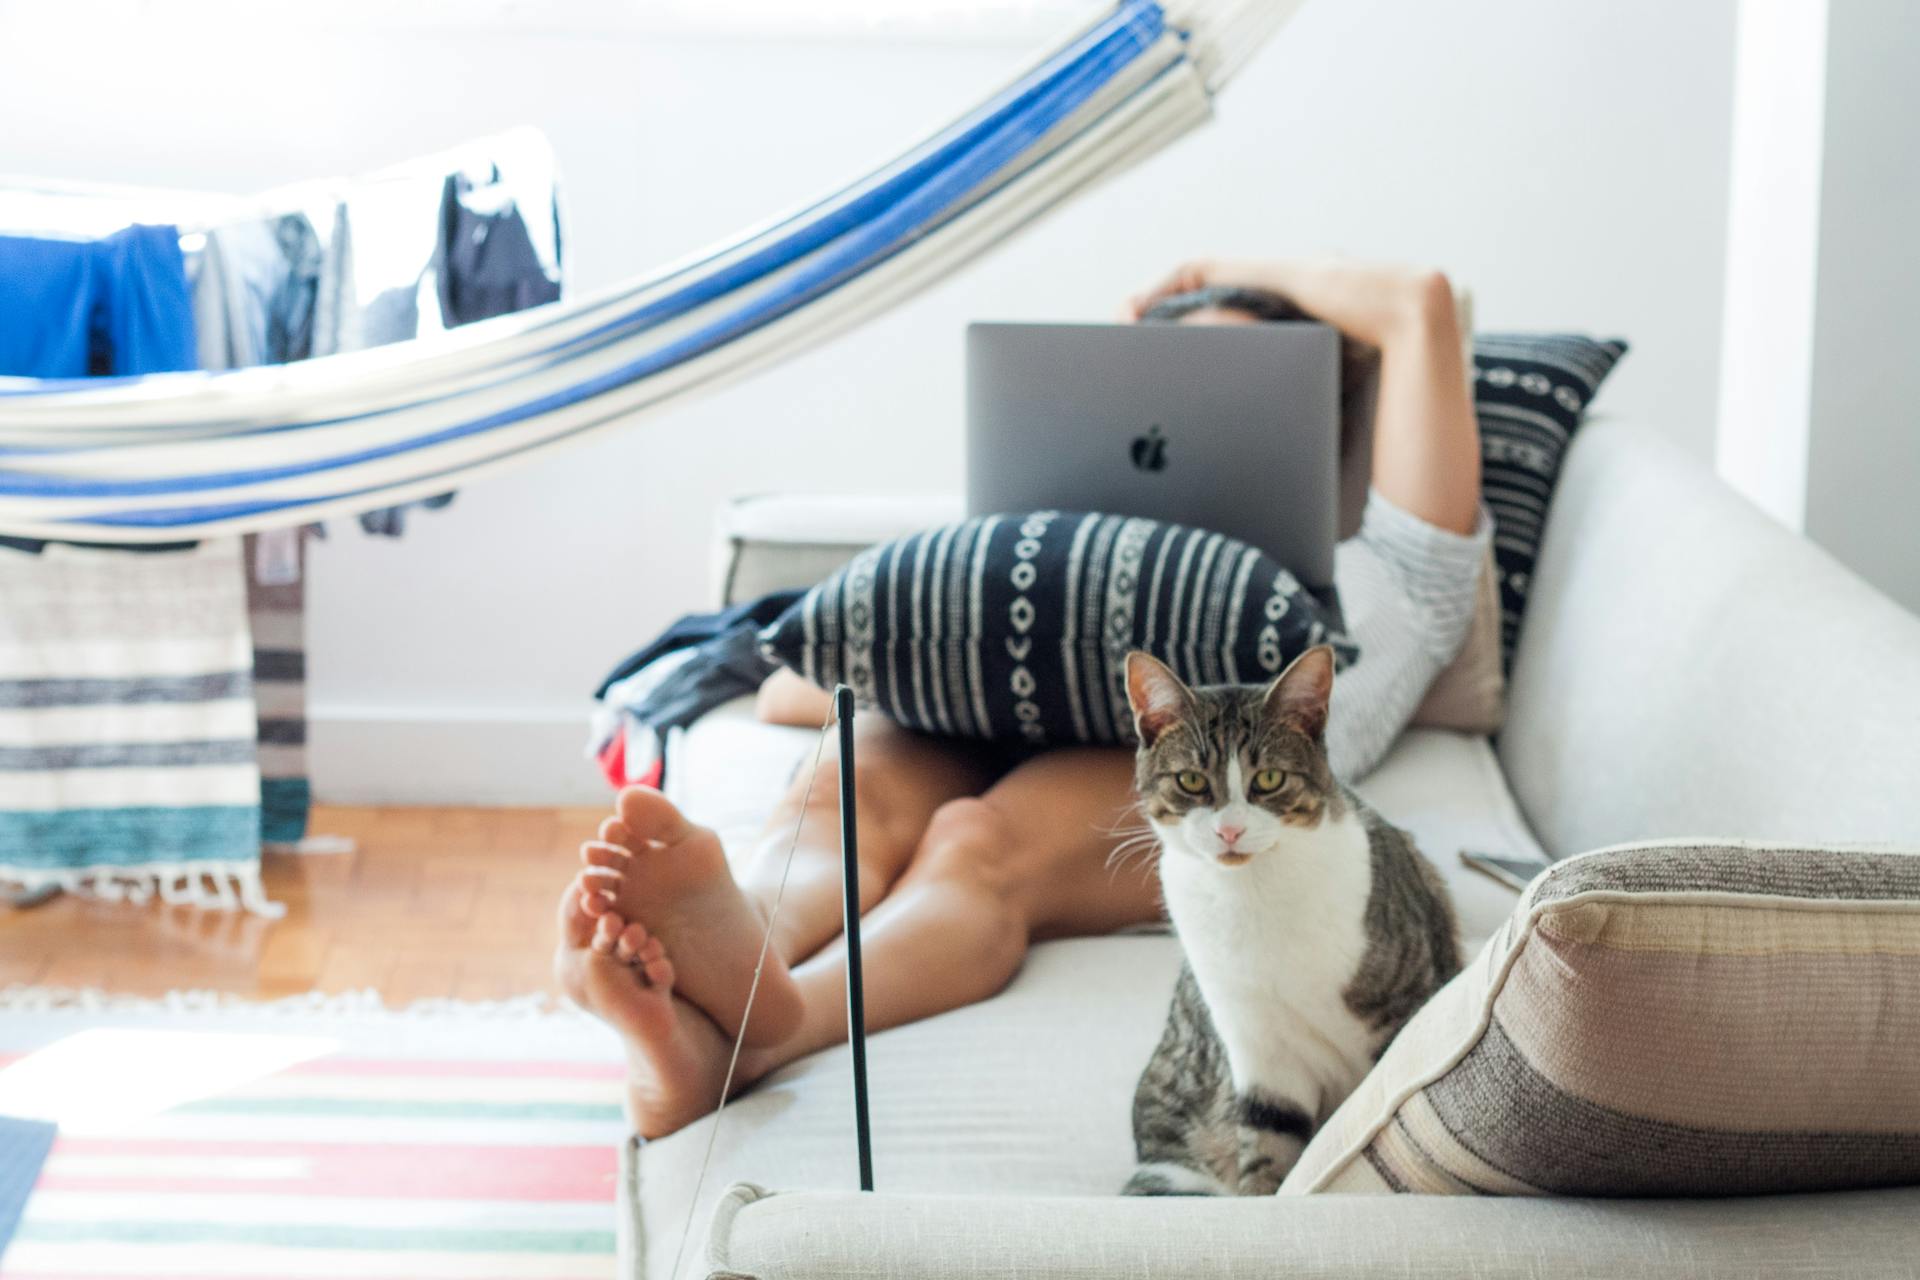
(63, 839)
(284, 806)
(128, 762)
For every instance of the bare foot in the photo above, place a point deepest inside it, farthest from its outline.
(655, 867)
(676, 1057)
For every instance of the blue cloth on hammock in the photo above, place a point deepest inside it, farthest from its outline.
(75, 308)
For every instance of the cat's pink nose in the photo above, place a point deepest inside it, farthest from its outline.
(1229, 833)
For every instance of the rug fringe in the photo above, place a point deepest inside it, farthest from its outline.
(215, 886)
(308, 845)
(21, 998)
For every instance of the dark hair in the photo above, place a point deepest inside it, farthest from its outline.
(1258, 303)
(1357, 360)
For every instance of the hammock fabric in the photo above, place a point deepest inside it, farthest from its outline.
(169, 456)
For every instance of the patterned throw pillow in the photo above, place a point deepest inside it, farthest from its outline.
(1530, 392)
(1688, 1018)
(1016, 628)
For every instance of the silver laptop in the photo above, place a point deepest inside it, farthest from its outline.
(1233, 428)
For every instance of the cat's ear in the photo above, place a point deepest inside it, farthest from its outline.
(1159, 700)
(1298, 696)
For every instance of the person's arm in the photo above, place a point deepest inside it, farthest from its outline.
(1426, 444)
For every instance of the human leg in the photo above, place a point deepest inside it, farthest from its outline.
(901, 779)
(1033, 857)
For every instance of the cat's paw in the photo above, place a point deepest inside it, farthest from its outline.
(1163, 1179)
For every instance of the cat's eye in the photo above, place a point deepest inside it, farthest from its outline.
(1191, 782)
(1268, 780)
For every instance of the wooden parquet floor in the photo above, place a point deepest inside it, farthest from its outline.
(435, 902)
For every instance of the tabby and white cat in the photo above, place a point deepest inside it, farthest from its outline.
(1313, 929)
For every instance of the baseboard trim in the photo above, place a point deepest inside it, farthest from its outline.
(430, 756)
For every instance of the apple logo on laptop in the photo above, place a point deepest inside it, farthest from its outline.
(1150, 450)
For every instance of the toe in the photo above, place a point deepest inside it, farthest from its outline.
(632, 939)
(614, 831)
(607, 933)
(598, 853)
(652, 949)
(658, 973)
(591, 895)
(576, 918)
(602, 879)
(648, 815)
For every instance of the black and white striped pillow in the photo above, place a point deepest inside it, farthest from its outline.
(1015, 627)
(1530, 393)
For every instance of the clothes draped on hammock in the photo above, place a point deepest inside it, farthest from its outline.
(114, 305)
(75, 308)
(409, 252)
(254, 292)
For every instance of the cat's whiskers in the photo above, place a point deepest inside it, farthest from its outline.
(1136, 840)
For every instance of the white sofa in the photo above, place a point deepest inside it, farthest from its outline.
(1686, 667)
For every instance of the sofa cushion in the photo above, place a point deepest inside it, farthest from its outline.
(1470, 693)
(1014, 627)
(1692, 667)
(828, 1235)
(1029, 1093)
(1682, 1018)
(1530, 392)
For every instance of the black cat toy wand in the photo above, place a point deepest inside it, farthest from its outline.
(856, 993)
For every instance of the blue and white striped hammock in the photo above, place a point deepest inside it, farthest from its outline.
(166, 456)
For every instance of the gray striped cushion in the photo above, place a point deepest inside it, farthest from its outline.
(1015, 628)
(276, 612)
(1687, 1018)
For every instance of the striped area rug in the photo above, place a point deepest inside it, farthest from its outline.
(334, 1140)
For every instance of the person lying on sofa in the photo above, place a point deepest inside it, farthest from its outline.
(967, 856)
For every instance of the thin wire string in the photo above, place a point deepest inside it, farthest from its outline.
(753, 989)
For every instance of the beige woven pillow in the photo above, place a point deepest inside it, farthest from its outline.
(1688, 1018)
(1470, 695)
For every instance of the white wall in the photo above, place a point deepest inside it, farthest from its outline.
(1773, 237)
(1863, 455)
(1817, 389)
(1568, 160)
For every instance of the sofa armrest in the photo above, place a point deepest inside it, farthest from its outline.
(776, 542)
(1687, 666)
(832, 1235)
